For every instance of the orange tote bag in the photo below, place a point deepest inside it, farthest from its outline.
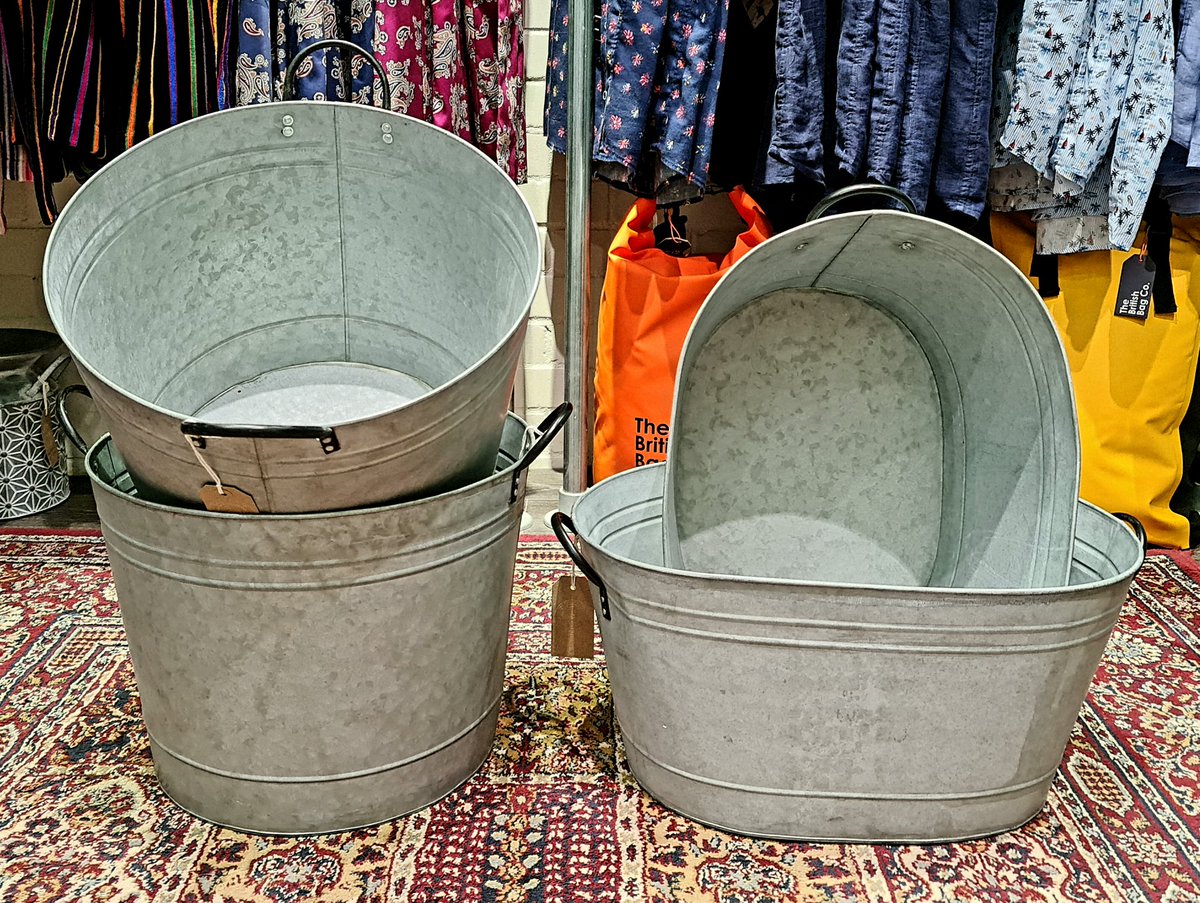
(649, 301)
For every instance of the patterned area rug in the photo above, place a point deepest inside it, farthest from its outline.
(554, 816)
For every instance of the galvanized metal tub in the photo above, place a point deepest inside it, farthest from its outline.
(835, 712)
(315, 673)
(907, 392)
(329, 300)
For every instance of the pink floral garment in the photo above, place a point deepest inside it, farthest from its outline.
(459, 64)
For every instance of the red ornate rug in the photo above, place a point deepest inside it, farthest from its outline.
(554, 816)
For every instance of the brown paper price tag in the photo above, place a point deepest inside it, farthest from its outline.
(572, 620)
(227, 500)
(48, 440)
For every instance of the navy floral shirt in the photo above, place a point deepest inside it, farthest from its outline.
(657, 73)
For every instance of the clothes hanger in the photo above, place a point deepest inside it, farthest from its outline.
(671, 234)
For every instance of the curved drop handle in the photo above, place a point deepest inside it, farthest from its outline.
(560, 523)
(1135, 525)
(68, 427)
(289, 77)
(545, 431)
(864, 190)
(197, 431)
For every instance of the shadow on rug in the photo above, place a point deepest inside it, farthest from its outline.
(554, 815)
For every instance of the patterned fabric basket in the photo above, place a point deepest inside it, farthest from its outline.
(32, 470)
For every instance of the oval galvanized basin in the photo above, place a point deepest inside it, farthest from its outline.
(879, 398)
(314, 673)
(836, 712)
(326, 300)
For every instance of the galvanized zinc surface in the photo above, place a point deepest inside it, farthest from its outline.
(830, 711)
(314, 673)
(810, 440)
(237, 248)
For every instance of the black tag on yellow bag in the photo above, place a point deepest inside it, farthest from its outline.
(1135, 288)
(572, 619)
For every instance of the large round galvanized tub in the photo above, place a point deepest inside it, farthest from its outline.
(907, 392)
(314, 673)
(328, 300)
(835, 712)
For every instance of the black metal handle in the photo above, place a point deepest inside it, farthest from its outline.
(1136, 525)
(68, 427)
(546, 431)
(198, 431)
(560, 523)
(289, 76)
(853, 191)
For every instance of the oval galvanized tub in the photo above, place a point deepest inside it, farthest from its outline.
(327, 299)
(835, 712)
(315, 673)
(907, 392)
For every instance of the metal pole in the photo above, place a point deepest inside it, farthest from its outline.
(576, 357)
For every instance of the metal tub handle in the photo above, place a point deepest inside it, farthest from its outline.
(561, 523)
(545, 432)
(75, 437)
(289, 77)
(197, 431)
(831, 200)
(1135, 525)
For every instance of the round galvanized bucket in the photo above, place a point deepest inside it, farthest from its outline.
(836, 712)
(314, 673)
(906, 391)
(320, 304)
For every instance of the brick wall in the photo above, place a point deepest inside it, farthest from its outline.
(21, 250)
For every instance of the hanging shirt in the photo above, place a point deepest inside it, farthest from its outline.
(963, 156)
(798, 116)
(89, 84)
(658, 70)
(271, 32)
(1179, 170)
(1082, 117)
(911, 99)
(460, 65)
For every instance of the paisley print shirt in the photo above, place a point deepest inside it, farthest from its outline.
(459, 64)
(271, 32)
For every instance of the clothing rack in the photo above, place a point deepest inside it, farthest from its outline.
(577, 440)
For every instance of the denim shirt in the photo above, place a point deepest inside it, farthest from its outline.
(911, 99)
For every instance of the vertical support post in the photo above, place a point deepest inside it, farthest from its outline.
(576, 353)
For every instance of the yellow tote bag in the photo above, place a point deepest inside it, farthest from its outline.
(1133, 378)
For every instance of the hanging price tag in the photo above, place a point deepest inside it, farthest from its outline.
(227, 499)
(1135, 288)
(572, 619)
(48, 440)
